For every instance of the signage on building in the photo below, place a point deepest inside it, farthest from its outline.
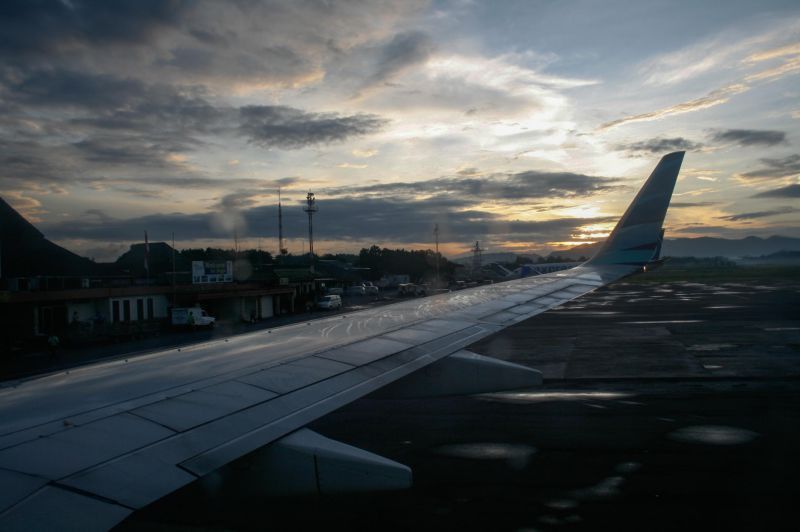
(212, 271)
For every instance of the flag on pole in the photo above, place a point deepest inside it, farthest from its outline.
(146, 255)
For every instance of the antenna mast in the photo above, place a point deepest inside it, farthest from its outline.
(436, 235)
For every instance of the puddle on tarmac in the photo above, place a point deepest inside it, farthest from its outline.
(561, 504)
(627, 467)
(660, 322)
(608, 487)
(709, 347)
(713, 435)
(517, 455)
(542, 397)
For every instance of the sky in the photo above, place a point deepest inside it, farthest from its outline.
(526, 125)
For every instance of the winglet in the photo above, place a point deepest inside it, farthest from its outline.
(636, 240)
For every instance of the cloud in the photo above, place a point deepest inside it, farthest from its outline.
(343, 219)
(687, 204)
(716, 97)
(790, 49)
(42, 27)
(750, 137)
(246, 43)
(775, 168)
(661, 145)
(288, 128)
(791, 191)
(510, 187)
(759, 214)
(402, 52)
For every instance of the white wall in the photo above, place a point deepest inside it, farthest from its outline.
(160, 304)
(267, 310)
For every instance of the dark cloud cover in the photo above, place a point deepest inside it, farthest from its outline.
(95, 89)
(349, 219)
(750, 137)
(47, 26)
(508, 187)
(661, 145)
(759, 214)
(289, 128)
(790, 191)
(776, 168)
(404, 50)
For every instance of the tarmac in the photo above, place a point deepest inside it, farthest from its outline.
(665, 406)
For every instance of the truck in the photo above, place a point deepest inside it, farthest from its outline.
(191, 316)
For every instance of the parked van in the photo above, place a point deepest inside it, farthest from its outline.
(192, 316)
(331, 302)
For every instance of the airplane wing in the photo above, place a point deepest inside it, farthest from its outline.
(84, 448)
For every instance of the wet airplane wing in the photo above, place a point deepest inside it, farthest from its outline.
(85, 448)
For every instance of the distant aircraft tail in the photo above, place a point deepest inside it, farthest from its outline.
(637, 238)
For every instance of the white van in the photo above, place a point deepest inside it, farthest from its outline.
(331, 302)
(192, 316)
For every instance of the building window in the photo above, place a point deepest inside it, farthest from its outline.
(115, 311)
(150, 308)
(140, 309)
(126, 310)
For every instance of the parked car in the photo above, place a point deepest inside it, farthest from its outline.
(356, 290)
(330, 302)
(411, 289)
(335, 291)
(370, 288)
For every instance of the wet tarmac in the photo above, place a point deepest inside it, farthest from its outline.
(665, 406)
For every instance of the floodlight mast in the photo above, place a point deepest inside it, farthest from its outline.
(281, 248)
(436, 235)
(311, 209)
(477, 259)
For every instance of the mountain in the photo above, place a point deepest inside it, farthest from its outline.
(723, 247)
(159, 261)
(26, 252)
(706, 247)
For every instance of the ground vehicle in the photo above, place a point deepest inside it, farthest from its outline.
(356, 290)
(330, 302)
(192, 316)
(411, 289)
(336, 291)
(370, 288)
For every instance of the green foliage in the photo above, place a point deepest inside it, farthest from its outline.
(254, 256)
(348, 258)
(420, 265)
